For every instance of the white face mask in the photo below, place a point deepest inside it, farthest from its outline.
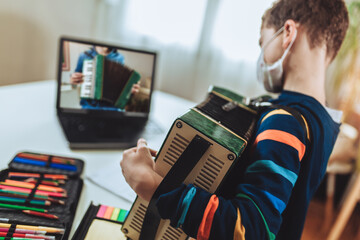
(271, 75)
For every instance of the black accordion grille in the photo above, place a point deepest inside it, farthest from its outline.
(239, 120)
(137, 221)
(171, 234)
(116, 76)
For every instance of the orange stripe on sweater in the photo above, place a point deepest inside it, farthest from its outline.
(206, 222)
(283, 137)
(239, 231)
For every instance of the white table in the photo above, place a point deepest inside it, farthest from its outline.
(28, 122)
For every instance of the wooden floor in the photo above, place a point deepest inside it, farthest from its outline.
(314, 225)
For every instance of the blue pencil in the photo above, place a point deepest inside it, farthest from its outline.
(40, 163)
(21, 200)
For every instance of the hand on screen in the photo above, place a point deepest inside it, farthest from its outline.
(76, 78)
(135, 88)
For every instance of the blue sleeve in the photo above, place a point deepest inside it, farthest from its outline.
(261, 197)
(120, 59)
(80, 63)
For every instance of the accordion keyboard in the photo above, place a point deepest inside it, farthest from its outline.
(87, 88)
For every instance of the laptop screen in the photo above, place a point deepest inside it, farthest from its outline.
(98, 78)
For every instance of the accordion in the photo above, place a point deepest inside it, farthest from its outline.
(108, 81)
(201, 148)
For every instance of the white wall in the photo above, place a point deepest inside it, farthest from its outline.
(29, 32)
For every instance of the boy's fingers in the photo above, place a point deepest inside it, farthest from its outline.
(130, 150)
(78, 80)
(142, 145)
(135, 88)
(77, 76)
(141, 141)
(153, 152)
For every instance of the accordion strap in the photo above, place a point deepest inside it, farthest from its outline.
(173, 179)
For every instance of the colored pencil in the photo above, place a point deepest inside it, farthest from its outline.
(72, 168)
(31, 186)
(26, 235)
(34, 156)
(53, 160)
(38, 192)
(23, 231)
(25, 195)
(16, 238)
(35, 228)
(20, 200)
(37, 175)
(44, 182)
(11, 206)
(45, 215)
(64, 160)
(47, 181)
(46, 158)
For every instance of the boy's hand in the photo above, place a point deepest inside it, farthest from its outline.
(138, 168)
(135, 88)
(76, 78)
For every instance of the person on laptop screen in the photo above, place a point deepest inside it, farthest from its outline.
(86, 63)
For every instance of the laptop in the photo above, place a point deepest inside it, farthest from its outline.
(104, 93)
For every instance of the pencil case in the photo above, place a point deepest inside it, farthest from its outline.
(72, 186)
(101, 222)
(48, 165)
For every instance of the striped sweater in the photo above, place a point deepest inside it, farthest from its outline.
(273, 185)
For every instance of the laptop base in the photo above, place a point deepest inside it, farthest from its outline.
(96, 146)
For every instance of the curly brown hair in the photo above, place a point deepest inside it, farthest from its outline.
(325, 21)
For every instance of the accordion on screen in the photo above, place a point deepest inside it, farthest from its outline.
(201, 148)
(108, 81)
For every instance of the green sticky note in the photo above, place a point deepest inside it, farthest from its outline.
(122, 215)
(115, 214)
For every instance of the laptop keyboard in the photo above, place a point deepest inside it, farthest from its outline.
(80, 125)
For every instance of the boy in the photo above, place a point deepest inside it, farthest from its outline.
(299, 39)
(78, 78)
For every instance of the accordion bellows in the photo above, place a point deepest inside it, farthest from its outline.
(223, 120)
(108, 81)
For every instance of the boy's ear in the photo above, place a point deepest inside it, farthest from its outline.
(290, 28)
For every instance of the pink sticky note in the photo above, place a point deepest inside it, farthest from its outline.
(101, 211)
